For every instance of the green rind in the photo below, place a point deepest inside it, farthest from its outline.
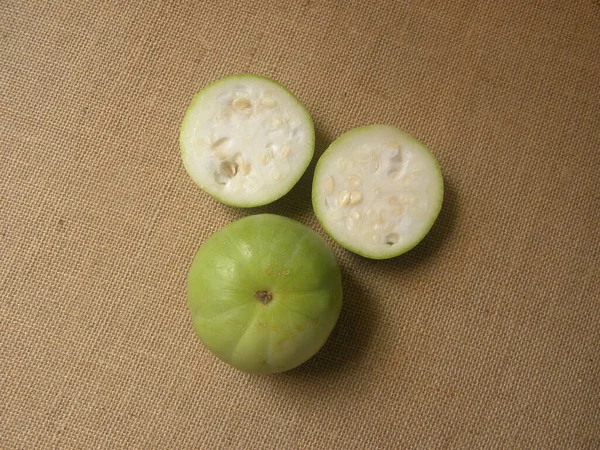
(315, 194)
(265, 253)
(187, 118)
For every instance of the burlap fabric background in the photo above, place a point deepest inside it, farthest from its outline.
(487, 335)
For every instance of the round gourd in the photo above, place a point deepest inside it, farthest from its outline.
(264, 293)
(246, 140)
(377, 191)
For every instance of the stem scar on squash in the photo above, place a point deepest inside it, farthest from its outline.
(263, 296)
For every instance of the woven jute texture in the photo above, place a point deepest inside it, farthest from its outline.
(486, 335)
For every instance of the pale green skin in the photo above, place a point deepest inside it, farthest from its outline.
(261, 253)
